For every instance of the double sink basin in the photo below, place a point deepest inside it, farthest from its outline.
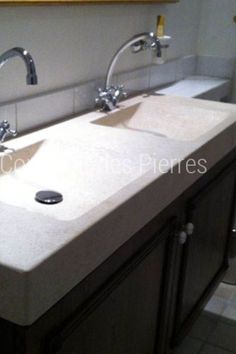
(83, 158)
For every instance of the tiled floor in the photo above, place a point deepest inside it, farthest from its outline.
(215, 330)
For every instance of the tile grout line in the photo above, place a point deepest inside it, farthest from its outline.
(16, 117)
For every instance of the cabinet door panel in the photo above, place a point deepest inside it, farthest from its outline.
(125, 315)
(205, 253)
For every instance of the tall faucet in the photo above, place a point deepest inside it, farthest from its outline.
(109, 97)
(31, 79)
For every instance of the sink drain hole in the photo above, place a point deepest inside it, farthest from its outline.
(48, 197)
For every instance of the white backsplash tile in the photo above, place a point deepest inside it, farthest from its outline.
(163, 74)
(41, 110)
(46, 108)
(134, 81)
(215, 66)
(84, 96)
(189, 65)
(186, 66)
(101, 82)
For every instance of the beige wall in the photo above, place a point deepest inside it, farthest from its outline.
(75, 44)
(217, 31)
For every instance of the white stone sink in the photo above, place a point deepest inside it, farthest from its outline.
(178, 121)
(87, 164)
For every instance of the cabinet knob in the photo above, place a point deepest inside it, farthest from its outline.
(189, 228)
(183, 237)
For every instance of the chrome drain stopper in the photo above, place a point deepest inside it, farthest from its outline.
(48, 197)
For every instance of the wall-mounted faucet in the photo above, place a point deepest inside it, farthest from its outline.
(109, 96)
(31, 79)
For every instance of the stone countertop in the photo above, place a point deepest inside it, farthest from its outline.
(111, 189)
(198, 86)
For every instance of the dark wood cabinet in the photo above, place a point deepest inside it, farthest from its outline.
(204, 257)
(146, 296)
(125, 316)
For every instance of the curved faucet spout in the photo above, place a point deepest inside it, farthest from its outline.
(142, 38)
(31, 77)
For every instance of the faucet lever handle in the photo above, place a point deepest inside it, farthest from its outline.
(105, 99)
(4, 125)
(5, 130)
(12, 132)
(124, 94)
(121, 92)
(109, 97)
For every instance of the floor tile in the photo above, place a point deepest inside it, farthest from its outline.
(233, 299)
(229, 315)
(224, 336)
(209, 349)
(225, 291)
(216, 305)
(189, 346)
(203, 327)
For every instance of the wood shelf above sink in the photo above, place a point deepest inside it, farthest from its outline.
(78, 2)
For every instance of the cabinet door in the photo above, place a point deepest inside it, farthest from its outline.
(124, 317)
(204, 258)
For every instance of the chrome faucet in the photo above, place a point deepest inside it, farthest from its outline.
(31, 79)
(5, 130)
(109, 97)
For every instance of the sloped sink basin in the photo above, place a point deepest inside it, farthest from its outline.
(178, 121)
(86, 175)
(12, 160)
